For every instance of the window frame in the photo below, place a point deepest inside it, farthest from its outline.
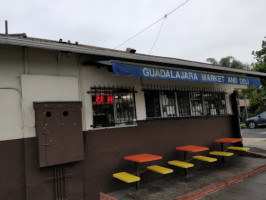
(193, 103)
(117, 93)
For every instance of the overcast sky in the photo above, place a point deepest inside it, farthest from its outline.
(196, 31)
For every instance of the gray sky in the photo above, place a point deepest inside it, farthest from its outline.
(198, 30)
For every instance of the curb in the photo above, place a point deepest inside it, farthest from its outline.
(220, 185)
(253, 154)
(104, 196)
(214, 187)
(207, 189)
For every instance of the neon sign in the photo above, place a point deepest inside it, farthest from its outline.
(103, 99)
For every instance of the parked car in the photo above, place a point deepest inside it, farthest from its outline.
(259, 120)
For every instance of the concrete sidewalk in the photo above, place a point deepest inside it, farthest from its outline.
(251, 188)
(199, 182)
(256, 145)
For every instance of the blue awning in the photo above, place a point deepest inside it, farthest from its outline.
(183, 75)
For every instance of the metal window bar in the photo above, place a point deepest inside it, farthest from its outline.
(169, 102)
(109, 111)
(176, 105)
(218, 102)
(225, 105)
(192, 110)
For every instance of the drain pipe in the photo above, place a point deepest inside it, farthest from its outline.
(26, 65)
(59, 55)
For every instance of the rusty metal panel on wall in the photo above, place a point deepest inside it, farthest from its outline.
(59, 132)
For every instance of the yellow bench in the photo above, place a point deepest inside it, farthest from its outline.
(159, 169)
(221, 153)
(181, 164)
(126, 177)
(205, 158)
(238, 148)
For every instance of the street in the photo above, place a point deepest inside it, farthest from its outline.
(255, 139)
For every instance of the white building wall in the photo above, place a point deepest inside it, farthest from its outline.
(58, 77)
(38, 88)
(11, 67)
(48, 79)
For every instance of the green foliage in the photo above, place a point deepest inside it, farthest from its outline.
(229, 61)
(243, 126)
(257, 95)
(212, 61)
(226, 61)
(256, 102)
(260, 65)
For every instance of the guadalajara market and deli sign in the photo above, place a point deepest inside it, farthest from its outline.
(172, 74)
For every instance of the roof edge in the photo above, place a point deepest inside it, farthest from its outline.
(97, 51)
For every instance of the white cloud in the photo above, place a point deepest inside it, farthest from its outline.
(198, 30)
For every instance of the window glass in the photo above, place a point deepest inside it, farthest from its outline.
(196, 103)
(103, 111)
(167, 104)
(220, 103)
(113, 106)
(209, 103)
(263, 115)
(183, 103)
(124, 107)
(152, 102)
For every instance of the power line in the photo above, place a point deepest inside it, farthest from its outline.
(166, 15)
(158, 34)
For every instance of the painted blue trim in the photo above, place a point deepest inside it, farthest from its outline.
(172, 74)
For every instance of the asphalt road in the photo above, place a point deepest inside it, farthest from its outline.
(255, 139)
(254, 133)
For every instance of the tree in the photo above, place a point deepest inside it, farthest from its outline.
(257, 95)
(229, 61)
(254, 94)
(260, 65)
(212, 61)
(226, 61)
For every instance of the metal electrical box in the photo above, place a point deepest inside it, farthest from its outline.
(59, 132)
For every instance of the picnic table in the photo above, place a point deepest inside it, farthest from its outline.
(191, 148)
(141, 158)
(227, 140)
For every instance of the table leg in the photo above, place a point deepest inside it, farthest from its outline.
(185, 156)
(222, 146)
(138, 174)
(185, 159)
(186, 172)
(222, 149)
(223, 160)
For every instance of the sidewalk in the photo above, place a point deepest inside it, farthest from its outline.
(256, 144)
(199, 182)
(251, 188)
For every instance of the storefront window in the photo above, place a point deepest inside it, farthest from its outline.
(167, 104)
(220, 104)
(113, 106)
(196, 103)
(152, 102)
(124, 107)
(183, 103)
(209, 104)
